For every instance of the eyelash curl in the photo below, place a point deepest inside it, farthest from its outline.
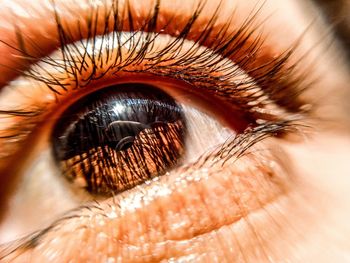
(280, 82)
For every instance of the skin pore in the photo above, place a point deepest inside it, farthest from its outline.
(286, 200)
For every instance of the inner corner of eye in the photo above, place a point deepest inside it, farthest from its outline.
(125, 134)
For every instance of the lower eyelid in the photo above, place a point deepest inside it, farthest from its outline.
(178, 207)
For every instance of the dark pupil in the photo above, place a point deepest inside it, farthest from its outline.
(118, 137)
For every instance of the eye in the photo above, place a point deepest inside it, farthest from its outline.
(112, 139)
(148, 119)
(123, 135)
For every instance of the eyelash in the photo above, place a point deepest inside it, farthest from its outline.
(235, 148)
(279, 81)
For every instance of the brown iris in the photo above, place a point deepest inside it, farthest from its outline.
(118, 137)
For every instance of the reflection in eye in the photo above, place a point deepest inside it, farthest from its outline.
(92, 145)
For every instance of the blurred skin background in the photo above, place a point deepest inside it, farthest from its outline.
(285, 201)
(337, 14)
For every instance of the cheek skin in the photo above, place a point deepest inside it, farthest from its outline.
(183, 214)
(323, 190)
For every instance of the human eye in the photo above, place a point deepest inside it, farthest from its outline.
(148, 131)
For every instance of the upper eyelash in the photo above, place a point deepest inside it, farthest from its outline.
(267, 76)
(279, 81)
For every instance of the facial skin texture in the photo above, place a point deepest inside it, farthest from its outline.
(300, 216)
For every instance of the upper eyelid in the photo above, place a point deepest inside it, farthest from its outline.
(282, 29)
(236, 147)
(25, 36)
(244, 36)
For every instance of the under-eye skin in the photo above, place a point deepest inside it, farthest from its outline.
(123, 137)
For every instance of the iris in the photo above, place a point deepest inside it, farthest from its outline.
(118, 137)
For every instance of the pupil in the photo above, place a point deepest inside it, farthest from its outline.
(118, 137)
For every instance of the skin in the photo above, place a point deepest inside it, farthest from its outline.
(301, 216)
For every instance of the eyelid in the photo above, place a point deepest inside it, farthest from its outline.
(269, 75)
(282, 23)
(248, 182)
(246, 95)
(275, 79)
(241, 40)
(31, 30)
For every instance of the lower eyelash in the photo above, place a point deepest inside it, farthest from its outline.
(233, 149)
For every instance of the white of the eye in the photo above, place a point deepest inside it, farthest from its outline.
(204, 133)
(40, 197)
